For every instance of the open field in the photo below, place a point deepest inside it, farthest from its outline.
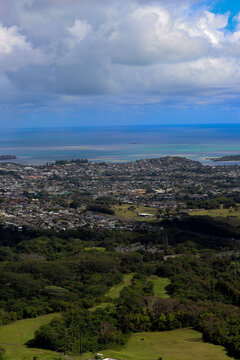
(132, 212)
(229, 216)
(182, 344)
(171, 345)
(159, 285)
(15, 335)
(221, 212)
(114, 292)
(95, 248)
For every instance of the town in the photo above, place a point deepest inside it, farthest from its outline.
(71, 194)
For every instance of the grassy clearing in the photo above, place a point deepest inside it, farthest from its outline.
(230, 216)
(15, 335)
(102, 306)
(95, 248)
(131, 212)
(159, 286)
(114, 292)
(182, 344)
(221, 212)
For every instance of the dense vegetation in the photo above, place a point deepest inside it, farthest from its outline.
(214, 203)
(206, 308)
(227, 158)
(2, 352)
(44, 272)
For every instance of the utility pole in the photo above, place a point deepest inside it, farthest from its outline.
(80, 341)
(79, 338)
(108, 299)
(65, 340)
(165, 238)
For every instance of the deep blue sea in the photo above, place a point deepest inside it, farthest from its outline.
(117, 144)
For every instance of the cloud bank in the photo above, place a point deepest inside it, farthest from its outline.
(135, 51)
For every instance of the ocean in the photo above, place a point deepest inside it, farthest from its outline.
(123, 143)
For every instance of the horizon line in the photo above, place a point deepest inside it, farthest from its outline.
(120, 126)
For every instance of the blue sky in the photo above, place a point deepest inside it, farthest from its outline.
(108, 62)
(223, 6)
(226, 5)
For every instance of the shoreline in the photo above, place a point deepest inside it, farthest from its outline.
(38, 161)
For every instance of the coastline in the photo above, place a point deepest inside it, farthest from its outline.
(31, 160)
(122, 144)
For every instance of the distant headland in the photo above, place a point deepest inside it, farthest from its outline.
(226, 158)
(8, 157)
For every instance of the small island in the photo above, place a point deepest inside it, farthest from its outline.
(7, 157)
(226, 158)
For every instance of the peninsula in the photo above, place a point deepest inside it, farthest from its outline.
(226, 158)
(7, 157)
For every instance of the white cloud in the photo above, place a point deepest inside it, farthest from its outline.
(15, 51)
(118, 49)
(80, 29)
(10, 39)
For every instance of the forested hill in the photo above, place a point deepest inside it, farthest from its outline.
(73, 271)
(226, 158)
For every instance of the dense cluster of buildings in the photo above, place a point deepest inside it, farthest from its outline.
(56, 195)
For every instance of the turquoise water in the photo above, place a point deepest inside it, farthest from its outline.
(197, 142)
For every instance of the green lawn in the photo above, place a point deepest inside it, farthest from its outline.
(127, 212)
(95, 248)
(229, 216)
(221, 212)
(14, 336)
(159, 286)
(114, 292)
(183, 344)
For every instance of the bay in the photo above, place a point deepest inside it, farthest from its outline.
(126, 143)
